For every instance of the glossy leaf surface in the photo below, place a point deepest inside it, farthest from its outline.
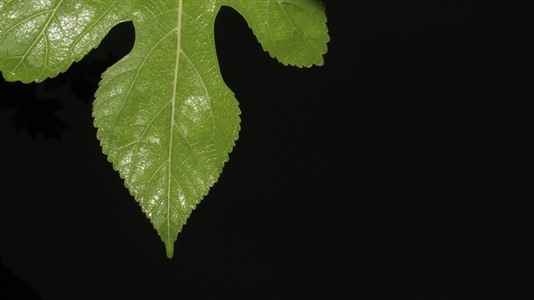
(165, 118)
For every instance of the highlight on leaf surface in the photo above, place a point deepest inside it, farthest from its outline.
(165, 118)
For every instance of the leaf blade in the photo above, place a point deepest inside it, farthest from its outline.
(193, 118)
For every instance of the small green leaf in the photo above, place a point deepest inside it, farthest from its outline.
(293, 31)
(165, 118)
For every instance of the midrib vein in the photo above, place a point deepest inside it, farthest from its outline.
(173, 108)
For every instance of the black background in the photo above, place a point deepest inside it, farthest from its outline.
(400, 169)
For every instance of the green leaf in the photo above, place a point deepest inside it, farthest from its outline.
(165, 118)
(40, 39)
(293, 31)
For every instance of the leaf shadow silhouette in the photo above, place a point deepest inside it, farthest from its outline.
(37, 113)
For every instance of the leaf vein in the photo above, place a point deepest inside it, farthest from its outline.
(4, 34)
(90, 27)
(136, 151)
(45, 26)
(136, 76)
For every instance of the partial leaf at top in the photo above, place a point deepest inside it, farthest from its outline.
(293, 31)
(41, 38)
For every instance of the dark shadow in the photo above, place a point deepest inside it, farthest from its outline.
(36, 117)
(12, 287)
(43, 110)
(37, 113)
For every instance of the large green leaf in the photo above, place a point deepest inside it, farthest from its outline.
(165, 118)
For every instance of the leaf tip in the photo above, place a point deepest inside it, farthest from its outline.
(169, 248)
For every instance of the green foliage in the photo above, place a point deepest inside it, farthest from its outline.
(165, 118)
